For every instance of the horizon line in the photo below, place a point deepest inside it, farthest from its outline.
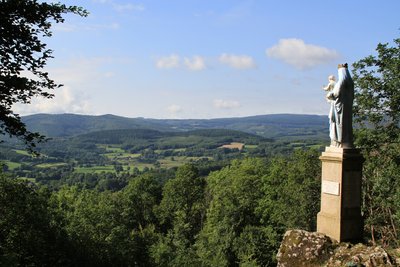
(149, 118)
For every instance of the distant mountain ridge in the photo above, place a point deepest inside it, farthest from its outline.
(270, 126)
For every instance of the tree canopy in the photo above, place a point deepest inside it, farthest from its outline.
(377, 111)
(23, 56)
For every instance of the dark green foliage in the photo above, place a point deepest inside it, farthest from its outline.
(28, 234)
(145, 138)
(141, 196)
(120, 136)
(285, 203)
(377, 83)
(181, 213)
(23, 24)
(377, 111)
(234, 216)
(111, 229)
(233, 193)
(253, 202)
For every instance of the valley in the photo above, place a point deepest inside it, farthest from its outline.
(107, 157)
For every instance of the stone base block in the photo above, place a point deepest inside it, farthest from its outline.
(341, 229)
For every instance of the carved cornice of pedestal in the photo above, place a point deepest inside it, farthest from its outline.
(339, 154)
(351, 158)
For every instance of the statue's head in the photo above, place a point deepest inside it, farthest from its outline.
(331, 78)
(344, 74)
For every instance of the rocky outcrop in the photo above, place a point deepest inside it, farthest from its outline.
(302, 248)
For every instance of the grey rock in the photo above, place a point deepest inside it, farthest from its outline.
(301, 248)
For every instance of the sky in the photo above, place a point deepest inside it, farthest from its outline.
(201, 59)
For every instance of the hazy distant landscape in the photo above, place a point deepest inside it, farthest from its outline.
(271, 126)
(98, 145)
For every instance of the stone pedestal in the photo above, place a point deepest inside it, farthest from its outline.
(340, 215)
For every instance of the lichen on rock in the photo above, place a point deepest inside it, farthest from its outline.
(360, 255)
(302, 248)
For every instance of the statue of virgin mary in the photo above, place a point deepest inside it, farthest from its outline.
(341, 114)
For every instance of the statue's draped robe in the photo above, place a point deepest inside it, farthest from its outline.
(341, 115)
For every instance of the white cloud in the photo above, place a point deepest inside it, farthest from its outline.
(64, 101)
(237, 62)
(174, 109)
(226, 104)
(301, 55)
(168, 62)
(196, 63)
(80, 76)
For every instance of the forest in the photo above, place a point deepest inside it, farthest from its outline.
(233, 216)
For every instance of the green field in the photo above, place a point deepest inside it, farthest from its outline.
(110, 148)
(179, 149)
(139, 165)
(172, 162)
(22, 152)
(111, 169)
(121, 155)
(250, 146)
(51, 165)
(117, 153)
(95, 169)
(11, 165)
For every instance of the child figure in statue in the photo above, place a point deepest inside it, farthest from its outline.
(330, 86)
(329, 89)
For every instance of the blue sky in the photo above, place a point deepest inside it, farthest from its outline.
(208, 58)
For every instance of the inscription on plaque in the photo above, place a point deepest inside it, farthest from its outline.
(329, 187)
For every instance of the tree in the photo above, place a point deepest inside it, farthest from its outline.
(232, 232)
(23, 56)
(181, 213)
(377, 112)
(292, 191)
(28, 236)
(139, 200)
(377, 95)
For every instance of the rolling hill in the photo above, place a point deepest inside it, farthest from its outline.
(275, 126)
